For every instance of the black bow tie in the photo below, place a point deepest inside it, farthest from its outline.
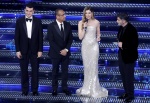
(28, 19)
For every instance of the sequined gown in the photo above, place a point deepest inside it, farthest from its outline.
(90, 54)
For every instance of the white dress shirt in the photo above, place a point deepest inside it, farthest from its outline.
(29, 27)
(59, 24)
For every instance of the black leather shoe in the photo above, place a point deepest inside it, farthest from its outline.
(67, 92)
(24, 93)
(54, 92)
(129, 99)
(123, 96)
(35, 93)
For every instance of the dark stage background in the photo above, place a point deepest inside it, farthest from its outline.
(109, 76)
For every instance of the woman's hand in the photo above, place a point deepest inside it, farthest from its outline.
(85, 25)
(98, 38)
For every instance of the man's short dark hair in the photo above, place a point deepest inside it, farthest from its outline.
(30, 5)
(123, 16)
(57, 10)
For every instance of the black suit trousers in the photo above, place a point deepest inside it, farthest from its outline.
(34, 61)
(64, 62)
(127, 75)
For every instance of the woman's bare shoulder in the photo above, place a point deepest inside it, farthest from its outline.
(80, 22)
(97, 21)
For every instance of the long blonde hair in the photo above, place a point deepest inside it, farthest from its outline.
(84, 12)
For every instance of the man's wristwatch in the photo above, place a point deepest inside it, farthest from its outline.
(67, 50)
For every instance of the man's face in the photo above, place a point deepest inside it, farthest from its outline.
(29, 12)
(61, 16)
(120, 21)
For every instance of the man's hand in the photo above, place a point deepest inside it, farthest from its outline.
(39, 54)
(120, 44)
(63, 52)
(18, 54)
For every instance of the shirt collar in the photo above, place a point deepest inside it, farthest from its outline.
(29, 18)
(59, 22)
(125, 26)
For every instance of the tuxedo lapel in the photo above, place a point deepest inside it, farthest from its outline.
(33, 26)
(121, 33)
(25, 27)
(57, 29)
(65, 31)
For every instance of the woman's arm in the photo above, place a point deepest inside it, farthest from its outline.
(81, 30)
(98, 32)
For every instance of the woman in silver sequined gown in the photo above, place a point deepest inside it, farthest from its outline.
(89, 33)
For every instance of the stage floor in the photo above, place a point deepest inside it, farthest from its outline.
(12, 95)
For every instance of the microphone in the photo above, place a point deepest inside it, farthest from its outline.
(85, 28)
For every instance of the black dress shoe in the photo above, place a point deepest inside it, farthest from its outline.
(67, 92)
(54, 92)
(129, 99)
(35, 93)
(123, 96)
(24, 93)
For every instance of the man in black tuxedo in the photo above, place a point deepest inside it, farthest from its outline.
(128, 54)
(29, 47)
(60, 39)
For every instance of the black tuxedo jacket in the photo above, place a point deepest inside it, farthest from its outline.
(129, 39)
(21, 37)
(57, 43)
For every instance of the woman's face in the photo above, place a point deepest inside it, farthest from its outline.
(88, 14)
